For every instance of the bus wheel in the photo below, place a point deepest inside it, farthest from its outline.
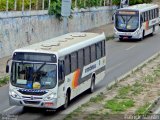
(92, 87)
(67, 97)
(142, 36)
(153, 31)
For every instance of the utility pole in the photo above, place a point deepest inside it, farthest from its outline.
(66, 12)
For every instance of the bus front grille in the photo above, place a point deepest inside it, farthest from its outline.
(31, 102)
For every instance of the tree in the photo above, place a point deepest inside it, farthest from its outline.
(131, 2)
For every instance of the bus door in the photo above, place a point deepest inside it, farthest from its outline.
(61, 79)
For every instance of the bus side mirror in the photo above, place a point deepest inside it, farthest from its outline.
(7, 68)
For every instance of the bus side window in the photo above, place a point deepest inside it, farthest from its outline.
(60, 71)
(146, 16)
(150, 14)
(99, 50)
(67, 65)
(74, 64)
(153, 14)
(87, 55)
(103, 48)
(80, 58)
(93, 53)
(157, 12)
(141, 20)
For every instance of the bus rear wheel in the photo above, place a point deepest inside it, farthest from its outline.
(92, 87)
(142, 36)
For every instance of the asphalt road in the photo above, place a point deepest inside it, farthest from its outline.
(122, 57)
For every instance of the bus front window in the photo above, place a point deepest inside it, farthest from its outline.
(127, 23)
(34, 75)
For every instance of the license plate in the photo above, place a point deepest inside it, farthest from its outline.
(125, 37)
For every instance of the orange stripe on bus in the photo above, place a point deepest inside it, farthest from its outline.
(75, 78)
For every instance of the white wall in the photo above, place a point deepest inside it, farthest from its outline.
(18, 29)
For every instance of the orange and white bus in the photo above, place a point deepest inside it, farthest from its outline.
(135, 22)
(51, 73)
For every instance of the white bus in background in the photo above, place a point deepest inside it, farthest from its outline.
(136, 21)
(51, 73)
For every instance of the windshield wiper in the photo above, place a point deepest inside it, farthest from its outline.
(40, 67)
(129, 19)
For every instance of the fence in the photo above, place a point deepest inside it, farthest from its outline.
(28, 5)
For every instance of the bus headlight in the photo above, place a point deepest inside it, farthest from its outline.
(14, 94)
(50, 97)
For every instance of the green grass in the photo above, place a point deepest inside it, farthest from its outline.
(98, 98)
(96, 116)
(93, 116)
(143, 110)
(4, 80)
(112, 86)
(157, 72)
(119, 105)
(73, 114)
(137, 88)
(149, 78)
(111, 37)
(123, 92)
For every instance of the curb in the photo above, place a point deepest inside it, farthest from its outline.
(155, 101)
(134, 69)
(120, 79)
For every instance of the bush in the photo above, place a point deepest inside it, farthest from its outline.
(26, 5)
(55, 9)
(131, 2)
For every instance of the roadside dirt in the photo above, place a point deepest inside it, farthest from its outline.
(156, 2)
(3, 62)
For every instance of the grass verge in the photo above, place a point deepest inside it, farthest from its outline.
(4, 81)
(116, 105)
(143, 110)
(110, 37)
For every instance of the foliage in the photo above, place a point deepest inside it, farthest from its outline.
(37, 4)
(92, 3)
(34, 5)
(4, 80)
(55, 9)
(132, 2)
(98, 98)
(143, 110)
(123, 92)
(118, 106)
(2, 5)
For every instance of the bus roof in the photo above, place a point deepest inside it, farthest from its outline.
(64, 44)
(141, 7)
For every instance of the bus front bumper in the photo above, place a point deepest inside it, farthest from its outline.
(33, 103)
(127, 35)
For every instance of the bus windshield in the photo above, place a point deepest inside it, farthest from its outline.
(127, 23)
(33, 75)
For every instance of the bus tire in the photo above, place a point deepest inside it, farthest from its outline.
(92, 87)
(142, 36)
(67, 100)
(153, 31)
